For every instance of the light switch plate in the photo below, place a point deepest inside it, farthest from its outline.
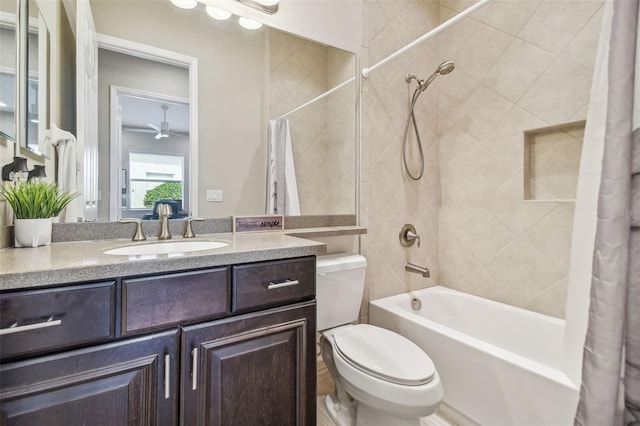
(214, 195)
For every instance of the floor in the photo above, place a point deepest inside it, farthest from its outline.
(325, 386)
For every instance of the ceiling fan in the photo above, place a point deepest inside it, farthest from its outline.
(163, 130)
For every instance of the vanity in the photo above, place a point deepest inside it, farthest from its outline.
(216, 337)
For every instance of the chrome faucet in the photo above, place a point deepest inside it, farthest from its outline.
(410, 267)
(164, 211)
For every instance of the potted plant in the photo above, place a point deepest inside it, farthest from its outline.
(34, 205)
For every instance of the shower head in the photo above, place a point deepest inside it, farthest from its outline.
(446, 67)
(443, 69)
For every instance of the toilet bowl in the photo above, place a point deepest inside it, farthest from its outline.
(381, 377)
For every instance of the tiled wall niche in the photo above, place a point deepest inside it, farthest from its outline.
(552, 161)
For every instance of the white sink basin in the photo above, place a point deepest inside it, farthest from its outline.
(168, 247)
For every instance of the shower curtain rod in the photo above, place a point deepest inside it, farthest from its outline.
(436, 30)
(317, 98)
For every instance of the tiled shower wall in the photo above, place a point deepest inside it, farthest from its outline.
(520, 65)
(389, 199)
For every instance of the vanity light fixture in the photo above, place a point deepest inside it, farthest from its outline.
(216, 13)
(185, 4)
(269, 7)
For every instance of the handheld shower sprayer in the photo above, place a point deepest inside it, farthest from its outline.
(443, 69)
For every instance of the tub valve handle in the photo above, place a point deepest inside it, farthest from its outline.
(408, 235)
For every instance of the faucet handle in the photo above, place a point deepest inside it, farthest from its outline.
(408, 235)
(139, 234)
(412, 236)
(188, 229)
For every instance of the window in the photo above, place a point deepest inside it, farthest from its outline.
(150, 171)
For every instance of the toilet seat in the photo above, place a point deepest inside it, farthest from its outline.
(380, 390)
(384, 354)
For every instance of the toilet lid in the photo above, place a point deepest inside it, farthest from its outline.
(384, 354)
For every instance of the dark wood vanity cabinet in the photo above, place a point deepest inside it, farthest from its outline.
(130, 382)
(172, 350)
(256, 369)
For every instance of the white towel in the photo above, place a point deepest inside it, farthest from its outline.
(282, 189)
(67, 167)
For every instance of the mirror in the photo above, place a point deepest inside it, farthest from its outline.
(8, 68)
(244, 79)
(37, 120)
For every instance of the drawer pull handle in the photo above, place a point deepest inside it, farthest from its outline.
(285, 283)
(194, 369)
(167, 376)
(15, 328)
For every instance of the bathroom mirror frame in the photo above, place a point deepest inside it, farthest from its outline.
(26, 25)
(356, 140)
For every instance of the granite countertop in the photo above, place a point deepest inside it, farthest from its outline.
(81, 261)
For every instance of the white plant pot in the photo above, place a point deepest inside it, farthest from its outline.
(32, 232)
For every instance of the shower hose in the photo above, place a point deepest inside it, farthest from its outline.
(412, 119)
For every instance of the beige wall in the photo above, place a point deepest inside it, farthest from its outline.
(519, 66)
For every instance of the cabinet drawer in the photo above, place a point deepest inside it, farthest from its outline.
(38, 320)
(157, 301)
(274, 282)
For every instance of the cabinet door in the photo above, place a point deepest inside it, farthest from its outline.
(254, 369)
(125, 383)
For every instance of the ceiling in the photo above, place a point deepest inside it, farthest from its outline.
(138, 112)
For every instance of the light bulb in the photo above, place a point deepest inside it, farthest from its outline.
(219, 14)
(185, 4)
(249, 23)
(268, 2)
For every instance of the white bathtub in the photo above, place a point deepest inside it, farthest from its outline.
(500, 365)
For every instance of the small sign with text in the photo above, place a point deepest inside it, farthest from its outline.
(273, 222)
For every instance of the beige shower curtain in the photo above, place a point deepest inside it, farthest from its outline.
(611, 366)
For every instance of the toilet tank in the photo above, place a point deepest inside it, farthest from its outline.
(339, 289)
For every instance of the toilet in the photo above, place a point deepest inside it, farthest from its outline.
(381, 377)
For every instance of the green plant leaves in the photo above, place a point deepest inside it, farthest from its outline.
(36, 200)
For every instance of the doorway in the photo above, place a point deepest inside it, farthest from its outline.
(145, 92)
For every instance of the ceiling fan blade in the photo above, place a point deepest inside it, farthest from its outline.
(154, 127)
(138, 130)
(158, 136)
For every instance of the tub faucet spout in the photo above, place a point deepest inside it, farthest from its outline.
(410, 267)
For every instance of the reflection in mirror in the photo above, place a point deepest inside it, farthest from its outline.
(153, 149)
(244, 79)
(7, 70)
(36, 91)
